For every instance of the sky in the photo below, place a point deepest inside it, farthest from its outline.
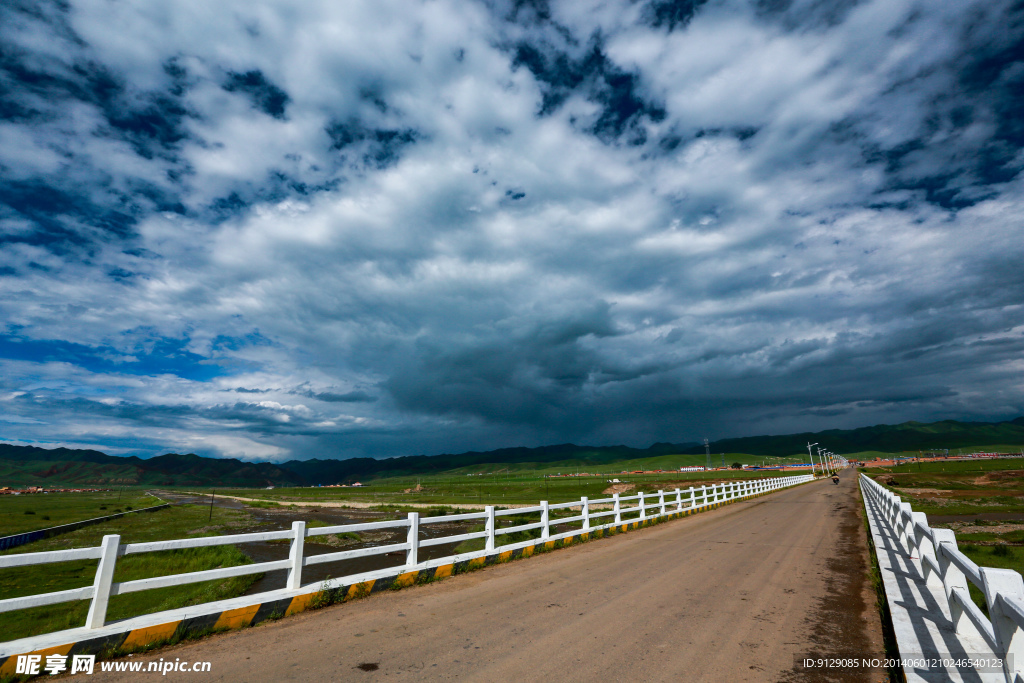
(274, 230)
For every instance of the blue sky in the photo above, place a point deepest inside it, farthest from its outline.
(275, 230)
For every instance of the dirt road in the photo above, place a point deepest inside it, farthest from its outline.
(733, 594)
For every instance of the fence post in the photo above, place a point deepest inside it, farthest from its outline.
(618, 508)
(661, 501)
(295, 555)
(643, 513)
(679, 500)
(924, 547)
(545, 519)
(489, 545)
(585, 511)
(953, 579)
(413, 553)
(893, 504)
(97, 616)
(902, 513)
(1004, 583)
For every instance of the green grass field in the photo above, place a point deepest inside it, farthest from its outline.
(181, 521)
(962, 487)
(997, 556)
(494, 488)
(29, 512)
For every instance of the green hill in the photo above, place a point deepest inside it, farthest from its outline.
(31, 466)
(28, 465)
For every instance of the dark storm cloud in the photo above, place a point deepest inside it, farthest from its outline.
(265, 96)
(379, 148)
(604, 83)
(527, 378)
(671, 14)
(347, 397)
(381, 228)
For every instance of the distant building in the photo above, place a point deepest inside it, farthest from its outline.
(693, 468)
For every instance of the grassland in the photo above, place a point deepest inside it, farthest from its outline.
(492, 488)
(29, 512)
(998, 556)
(957, 487)
(180, 521)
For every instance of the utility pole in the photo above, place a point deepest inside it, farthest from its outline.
(810, 455)
(211, 507)
(707, 453)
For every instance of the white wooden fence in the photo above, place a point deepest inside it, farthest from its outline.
(623, 509)
(934, 555)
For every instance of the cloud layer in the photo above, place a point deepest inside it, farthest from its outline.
(268, 230)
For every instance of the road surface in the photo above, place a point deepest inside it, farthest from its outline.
(734, 594)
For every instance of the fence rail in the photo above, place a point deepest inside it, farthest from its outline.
(648, 506)
(939, 562)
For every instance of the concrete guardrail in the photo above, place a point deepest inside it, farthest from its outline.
(927, 581)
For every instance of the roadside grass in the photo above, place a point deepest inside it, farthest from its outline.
(996, 556)
(33, 511)
(957, 487)
(337, 540)
(175, 522)
(261, 504)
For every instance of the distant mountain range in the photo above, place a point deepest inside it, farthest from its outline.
(908, 436)
(29, 465)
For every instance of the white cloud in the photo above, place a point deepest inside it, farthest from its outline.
(806, 224)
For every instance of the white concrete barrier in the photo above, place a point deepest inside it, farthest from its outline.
(927, 579)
